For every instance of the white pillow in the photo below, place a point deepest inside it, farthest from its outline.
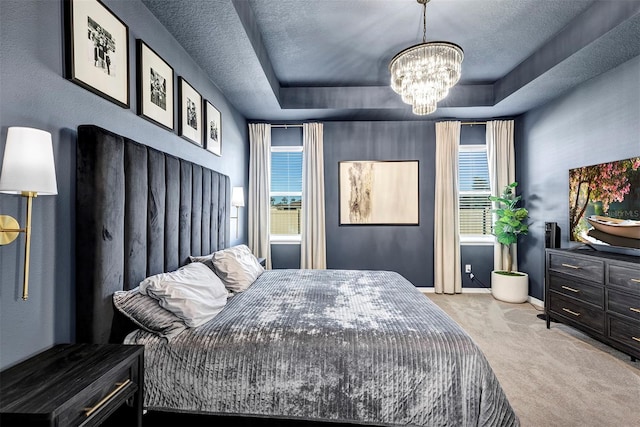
(193, 293)
(237, 267)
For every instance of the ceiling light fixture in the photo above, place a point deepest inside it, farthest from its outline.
(424, 73)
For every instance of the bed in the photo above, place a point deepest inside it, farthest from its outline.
(360, 347)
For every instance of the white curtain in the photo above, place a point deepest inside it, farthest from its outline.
(259, 183)
(446, 268)
(313, 251)
(502, 172)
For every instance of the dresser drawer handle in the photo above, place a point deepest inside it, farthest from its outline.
(120, 386)
(575, 267)
(571, 312)
(637, 310)
(635, 280)
(635, 338)
(570, 289)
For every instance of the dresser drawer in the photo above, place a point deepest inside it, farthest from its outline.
(576, 311)
(627, 278)
(584, 268)
(577, 289)
(626, 332)
(624, 304)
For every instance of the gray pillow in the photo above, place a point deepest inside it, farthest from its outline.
(146, 313)
(204, 259)
(237, 267)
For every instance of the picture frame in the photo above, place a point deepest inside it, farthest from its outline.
(213, 129)
(190, 113)
(379, 192)
(155, 87)
(97, 50)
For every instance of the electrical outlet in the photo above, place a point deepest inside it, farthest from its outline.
(467, 268)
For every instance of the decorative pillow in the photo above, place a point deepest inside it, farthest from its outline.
(193, 293)
(237, 267)
(146, 313)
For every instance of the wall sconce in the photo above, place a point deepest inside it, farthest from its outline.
(28, 169)
(237, 200)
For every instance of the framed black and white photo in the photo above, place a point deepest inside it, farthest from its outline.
(190, 113)
(155, 87)
(379, 192)
(97, 50)
(213, 129)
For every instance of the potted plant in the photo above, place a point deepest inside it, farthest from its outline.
(508, 285)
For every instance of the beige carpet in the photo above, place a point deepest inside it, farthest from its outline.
(555, 377)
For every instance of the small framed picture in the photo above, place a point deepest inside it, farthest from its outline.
(97, 50)
(190, 113)
(155, 87)
(213, 129)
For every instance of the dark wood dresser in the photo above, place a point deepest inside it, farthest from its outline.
(73, 385)
(596, 292)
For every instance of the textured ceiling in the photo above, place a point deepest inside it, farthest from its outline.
(328, 59)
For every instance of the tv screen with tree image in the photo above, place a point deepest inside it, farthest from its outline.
(604, 204)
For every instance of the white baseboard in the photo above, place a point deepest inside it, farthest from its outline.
(432, 290)
(536, 301)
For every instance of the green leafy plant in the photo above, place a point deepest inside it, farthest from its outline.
(510, 222)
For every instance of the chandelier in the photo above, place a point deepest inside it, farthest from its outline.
(423, 74)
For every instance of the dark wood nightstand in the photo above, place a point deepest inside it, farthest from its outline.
(73, 385)
(262, 261)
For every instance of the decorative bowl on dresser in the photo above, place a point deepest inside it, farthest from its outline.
(73, 385)
(597, 293)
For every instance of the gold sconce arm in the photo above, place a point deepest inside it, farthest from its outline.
(9, 230)
(237, 218)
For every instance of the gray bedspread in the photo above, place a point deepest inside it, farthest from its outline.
(352, 346)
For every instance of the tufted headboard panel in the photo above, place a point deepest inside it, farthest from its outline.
(139, 212)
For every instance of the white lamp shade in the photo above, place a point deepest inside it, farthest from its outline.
(237, 197)
(28, 163)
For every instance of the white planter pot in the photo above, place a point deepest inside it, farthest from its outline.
(513, 289)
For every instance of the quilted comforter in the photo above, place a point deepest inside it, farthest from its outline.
(363, 347)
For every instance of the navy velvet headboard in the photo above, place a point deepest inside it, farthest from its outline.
(139, 212)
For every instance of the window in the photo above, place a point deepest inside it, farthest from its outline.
(474, 192)
(286, 193)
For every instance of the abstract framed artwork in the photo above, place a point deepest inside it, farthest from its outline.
(190, 113)
(97, 50)
(155, 87)
(379, 192)
(213, 129)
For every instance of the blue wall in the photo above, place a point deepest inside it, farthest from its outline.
(34, 93)
(405, 249)
(598, 122)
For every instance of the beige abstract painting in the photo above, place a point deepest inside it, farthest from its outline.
(379, 192)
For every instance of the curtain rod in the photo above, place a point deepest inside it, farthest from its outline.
(473, 123)
(287, 126)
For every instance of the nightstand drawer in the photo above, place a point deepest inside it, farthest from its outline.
(577, 289)
(625, 332)
(577, 312)
(111, 391)
(585, 268)
(624, 304)
(625, 278)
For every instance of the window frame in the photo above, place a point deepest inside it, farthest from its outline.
(473, 239)
(284, 239)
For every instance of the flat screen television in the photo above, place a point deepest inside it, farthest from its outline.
(604, 206)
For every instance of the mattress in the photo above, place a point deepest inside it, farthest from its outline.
(362, 347)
